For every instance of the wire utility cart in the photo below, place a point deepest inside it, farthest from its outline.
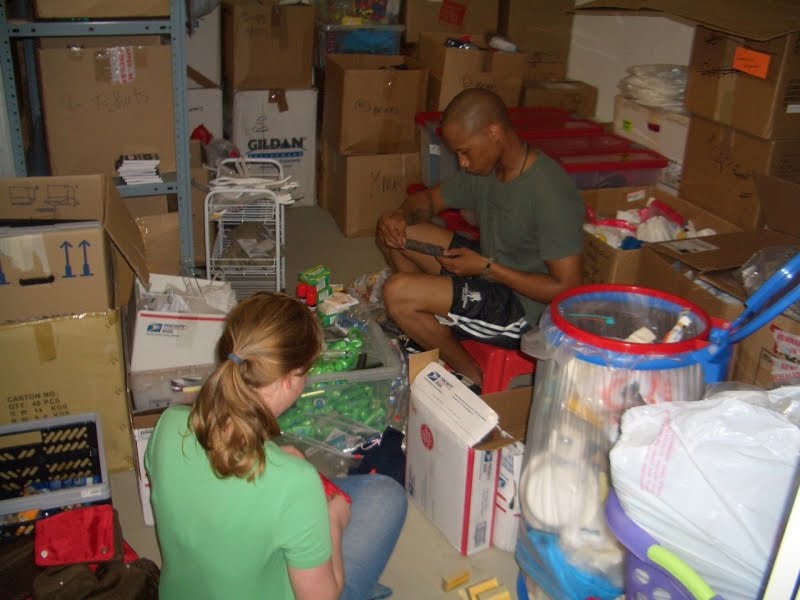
(245, 226)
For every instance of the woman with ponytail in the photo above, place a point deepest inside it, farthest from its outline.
(239, 517)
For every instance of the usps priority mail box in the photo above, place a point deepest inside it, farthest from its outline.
(450, 480)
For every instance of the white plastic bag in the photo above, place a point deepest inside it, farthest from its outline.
(709, 481)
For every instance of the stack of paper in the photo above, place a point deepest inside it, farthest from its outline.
(138, 168)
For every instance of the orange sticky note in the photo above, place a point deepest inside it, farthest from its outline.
(751, 62)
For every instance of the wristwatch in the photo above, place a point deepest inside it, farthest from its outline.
(488, 268)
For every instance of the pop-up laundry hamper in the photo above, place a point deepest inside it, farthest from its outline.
(601, 349)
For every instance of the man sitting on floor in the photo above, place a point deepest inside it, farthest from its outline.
(530, 216)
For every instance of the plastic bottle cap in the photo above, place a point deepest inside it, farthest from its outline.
(311, 296)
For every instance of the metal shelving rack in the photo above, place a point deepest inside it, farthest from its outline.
(178, 183)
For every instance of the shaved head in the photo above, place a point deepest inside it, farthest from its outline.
(475, 109)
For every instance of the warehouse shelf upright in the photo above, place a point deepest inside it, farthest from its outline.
(179, 182)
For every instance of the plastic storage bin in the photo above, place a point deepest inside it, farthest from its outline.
(370, 398)
(165, 387)
(651, 571)
(357, 39)
(48, 466)
(638, 167)
(438, 163)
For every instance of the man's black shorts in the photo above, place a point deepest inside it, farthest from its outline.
(482, 309)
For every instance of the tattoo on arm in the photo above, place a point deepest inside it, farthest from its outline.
(421, 214)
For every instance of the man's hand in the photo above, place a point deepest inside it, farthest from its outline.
(463, 262)
(392, 229)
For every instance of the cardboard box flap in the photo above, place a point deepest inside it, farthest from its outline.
(724, 251)
(780, 203)
(125, 234)
(463, 413)
(755, 20)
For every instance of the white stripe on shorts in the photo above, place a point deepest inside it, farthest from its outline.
(483, 329)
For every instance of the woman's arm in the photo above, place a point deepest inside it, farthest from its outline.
(327, 580)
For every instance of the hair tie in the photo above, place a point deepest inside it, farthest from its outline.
(235, 358)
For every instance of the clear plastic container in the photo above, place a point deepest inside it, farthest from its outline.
(638, 167)
(165, 387)
(357, 39)
(42, 475)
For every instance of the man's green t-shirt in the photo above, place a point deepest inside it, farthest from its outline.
(230, 538)
(537, 216)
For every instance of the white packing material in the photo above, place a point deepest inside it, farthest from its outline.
(709, 480)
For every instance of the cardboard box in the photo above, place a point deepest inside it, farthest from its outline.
(204, 46)
(162, 339)
(267, 45)
(664, 131)
(359, 189)
(748, 84)
(507, 512)
(453, 17)
(95, 110)
(157, 219)
(713, 262)
(577, 97)
(142, 427)
(369, 104)
(65, 267)
(65, 366)
(282, 126)
(94, 9)
(603, 263)
(719, 166)
(204, 104)
(744, 63)
(542, 29)
(453, 70)
(453, 451)
(200, 178)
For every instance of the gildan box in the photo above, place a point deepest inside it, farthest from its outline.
(664, 131)
(577, 97)
(164, 339)
(370, 102)
(64, 366)
(603, 263)
(357, 190)
(542, 30)
(204, 104)
(203, 46)
(453, 17)
(282, 126)
(748, 84)
(77, 263)
(82, 9)
(719, 168)
(455, 69)
(104, 97)
(453, 451)
(267, 45)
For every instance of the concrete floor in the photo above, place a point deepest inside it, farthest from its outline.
(422, 555)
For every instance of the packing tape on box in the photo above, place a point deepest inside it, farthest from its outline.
(26, 253)
(45, 341)
(118, 64)
(278, 97)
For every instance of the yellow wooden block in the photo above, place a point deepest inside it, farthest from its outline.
(482, 586)
(454, 580)
(498, 593)
(462, 594)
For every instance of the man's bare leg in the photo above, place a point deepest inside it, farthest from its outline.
(412, 300)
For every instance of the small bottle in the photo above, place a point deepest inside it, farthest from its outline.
(311, 298)
(301, 291)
